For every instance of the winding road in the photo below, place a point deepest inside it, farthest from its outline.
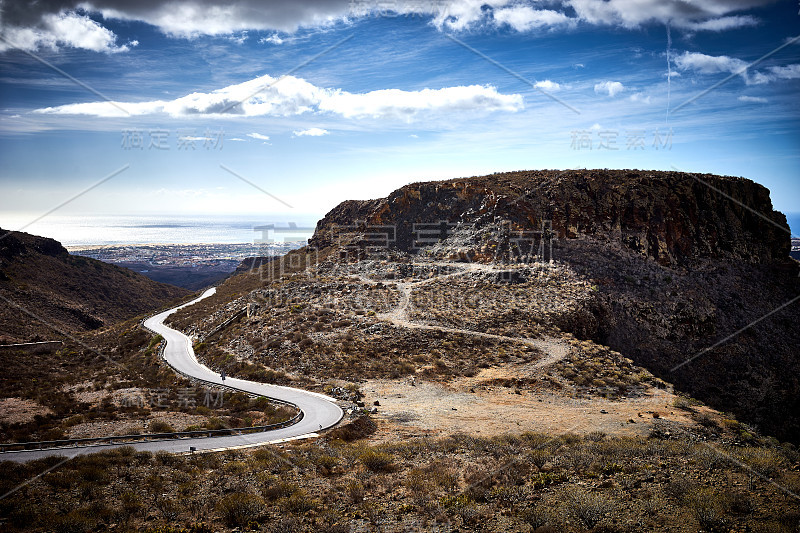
(319, 411)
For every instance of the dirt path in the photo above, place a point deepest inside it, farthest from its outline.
(554, 349)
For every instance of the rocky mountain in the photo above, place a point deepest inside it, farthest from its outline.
(44, 290)
(691, 273)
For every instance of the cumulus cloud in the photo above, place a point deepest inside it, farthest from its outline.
(406, 105)
(612, 88)
(268, 96)
(63, 29)
(547, 85)
(525, 18)
(639, 97)
(706, 64)
(695, 15)
(311, 132)
(273, 39)
(258, 136)
(753, 99)
(33, 24)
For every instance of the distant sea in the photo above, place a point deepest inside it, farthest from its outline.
(76, 230)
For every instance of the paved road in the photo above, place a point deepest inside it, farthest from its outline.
(319, 411)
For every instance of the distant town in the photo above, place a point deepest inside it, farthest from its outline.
(192, 266)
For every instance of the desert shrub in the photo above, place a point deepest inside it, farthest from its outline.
(706, 506)
(300, 502)
(354, 490)
(539, 458)
(73, 522)
(596, 436)
(167, 459)
(588, 508)
(377, 461)
(765, 461)
(131, 503)
(738, 502)
(271, 459)
(679, 489)
(240, 508)
(709, 458)
(159, 426)
(706, 420)
(274, 488)
(683, 403)
(360, 428)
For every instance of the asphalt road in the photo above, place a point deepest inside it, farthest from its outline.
(319, 411)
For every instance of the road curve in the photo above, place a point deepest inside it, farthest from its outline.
(319, 411)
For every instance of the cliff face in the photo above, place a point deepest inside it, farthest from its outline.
(673, 218)
(682, 270)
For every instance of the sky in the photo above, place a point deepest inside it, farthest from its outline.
(284, 109)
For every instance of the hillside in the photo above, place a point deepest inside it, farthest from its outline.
(46, 290)
(658, 266)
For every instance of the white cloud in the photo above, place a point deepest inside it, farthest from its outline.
(266, 96)
(789, 72)
(274, 39)
(547, 85)
(311, 132)
(706, 64)
(258, 136)
(694, 15)
(32, 25)
(753, 99)
(723, 23)
(524, 18)
(237, 139)
(407, 105)
(612, 88)
(239, 39)
(639, 97)
(63, 29)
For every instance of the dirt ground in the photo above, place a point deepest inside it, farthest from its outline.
(20, 411)
(426, 408)
(178, 421)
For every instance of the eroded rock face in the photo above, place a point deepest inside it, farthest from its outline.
(671, 217)
(681, 269)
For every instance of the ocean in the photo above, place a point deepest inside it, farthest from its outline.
(76, 230)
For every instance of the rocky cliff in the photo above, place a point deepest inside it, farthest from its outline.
(670, 217)
(692, 271)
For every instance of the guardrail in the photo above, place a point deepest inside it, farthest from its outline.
(139, 437)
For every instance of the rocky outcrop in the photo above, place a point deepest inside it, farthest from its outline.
(686, 267)
(671, 217)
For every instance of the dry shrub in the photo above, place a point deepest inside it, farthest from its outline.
(377, 461)
(360, 428)
(589, 508)
(240, 508)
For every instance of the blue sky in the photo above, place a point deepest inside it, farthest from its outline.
(382, 94)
